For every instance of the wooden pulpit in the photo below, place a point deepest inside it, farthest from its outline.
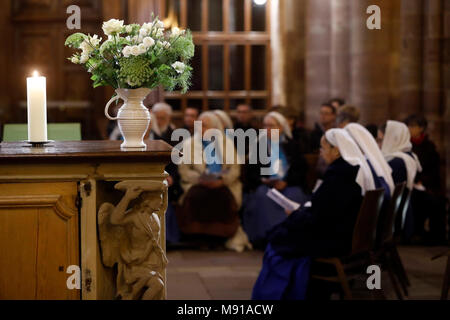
(83, 206)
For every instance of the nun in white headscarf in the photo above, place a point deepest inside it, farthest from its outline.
(351, 153)
(323, 229)
(379, 166)
(286, 172)
(397, 149)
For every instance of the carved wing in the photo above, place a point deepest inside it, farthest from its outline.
(110, 236)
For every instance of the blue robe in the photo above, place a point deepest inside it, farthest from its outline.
(261, 213)
(323, 230)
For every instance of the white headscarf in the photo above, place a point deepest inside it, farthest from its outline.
(224, 118)
(161, 106)
(369, 146)
(351, 153)
(397, 141)
(282, 122)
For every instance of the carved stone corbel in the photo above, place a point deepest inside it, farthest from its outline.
(130, 236)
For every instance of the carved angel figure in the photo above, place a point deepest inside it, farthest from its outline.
(130, 238)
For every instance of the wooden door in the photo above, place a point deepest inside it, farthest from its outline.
(39, 240)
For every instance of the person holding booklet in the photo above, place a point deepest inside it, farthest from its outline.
(287, 174)
(323, 228)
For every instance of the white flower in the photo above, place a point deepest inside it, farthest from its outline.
(129, 29)
(148, 42)
(147, 26)
(135, 51)
(112, 26)
(179, 66)
(143, 32)
(142, 48)
(159, 24)
(165, 44)
(86, 47)
(126, 51)
(177, 32)
(159, 33)
(75, 60)
(95, 40)
(84, 58)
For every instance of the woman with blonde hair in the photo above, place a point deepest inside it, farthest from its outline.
(212, 188)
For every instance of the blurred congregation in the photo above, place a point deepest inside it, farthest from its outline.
(235, 208)
(329, 170)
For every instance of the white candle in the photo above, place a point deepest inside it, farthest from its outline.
(37, 108)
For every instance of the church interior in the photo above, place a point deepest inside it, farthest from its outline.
(355, 94)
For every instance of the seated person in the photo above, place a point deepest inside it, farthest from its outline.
(377, 162)
(397, 149)
(212, 189)
(189, 117)
(288, 175)
(323, 229)
(428, 200)
(161, 126)
(225, 119)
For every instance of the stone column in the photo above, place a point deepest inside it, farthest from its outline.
(340, 45)
(370, 62)
(446, 85)
(432, 78)
(318, 49)
(294, 65)
(411, 58)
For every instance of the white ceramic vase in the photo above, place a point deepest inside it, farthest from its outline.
(133, 117)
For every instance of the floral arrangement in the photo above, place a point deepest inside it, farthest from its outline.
(136, 56)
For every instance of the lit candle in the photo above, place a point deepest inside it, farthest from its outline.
(37, 108)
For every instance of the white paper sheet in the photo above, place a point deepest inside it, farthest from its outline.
(282, 201)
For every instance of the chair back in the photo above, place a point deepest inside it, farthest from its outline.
(364, 234)
(56, 131)
(402, 212)
(387, 223)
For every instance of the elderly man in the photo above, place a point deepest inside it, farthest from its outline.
(161, 126)
(190, 116)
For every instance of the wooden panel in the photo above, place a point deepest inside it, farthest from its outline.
(38, 240)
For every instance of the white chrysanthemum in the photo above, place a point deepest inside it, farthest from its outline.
(129, 29)
(75, 60)
(148, 42)
(135, 51)
(179, 66)
(126, 51)
(112, 26)
(142, 48)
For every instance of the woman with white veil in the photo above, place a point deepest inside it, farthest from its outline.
(323, 229)
(397, 150)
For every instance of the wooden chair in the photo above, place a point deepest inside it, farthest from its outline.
(364, 237)
(446, 282)
(386, 251)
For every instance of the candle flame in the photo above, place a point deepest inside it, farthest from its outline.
(35, 74)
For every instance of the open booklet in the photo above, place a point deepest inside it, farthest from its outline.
(282, 201)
